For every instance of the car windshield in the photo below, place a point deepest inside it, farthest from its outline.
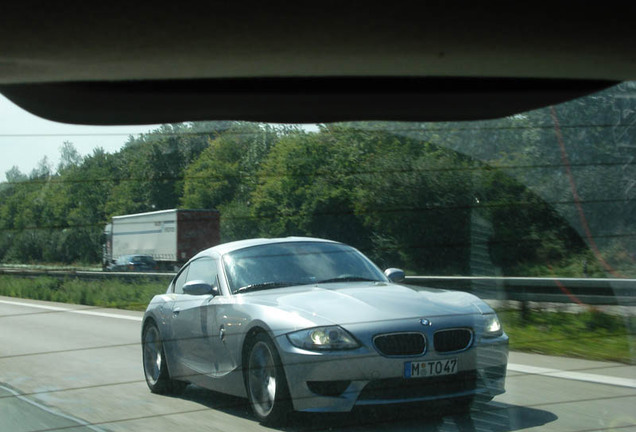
(534, 213)
(297, 263)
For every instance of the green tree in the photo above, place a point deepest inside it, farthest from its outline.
(226, 173)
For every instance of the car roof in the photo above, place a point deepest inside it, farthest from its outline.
(242, 244)
(308, 62)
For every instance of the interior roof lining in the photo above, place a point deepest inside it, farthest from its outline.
(294, 100)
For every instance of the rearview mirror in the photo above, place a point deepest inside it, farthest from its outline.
(198, 287)
(395, 275)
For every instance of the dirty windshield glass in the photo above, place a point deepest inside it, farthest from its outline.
(535, 214)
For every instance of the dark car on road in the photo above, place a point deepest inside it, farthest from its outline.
(134, 263)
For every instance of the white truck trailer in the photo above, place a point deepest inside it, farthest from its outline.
(171, 237)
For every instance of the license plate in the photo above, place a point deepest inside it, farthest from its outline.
(430, 368)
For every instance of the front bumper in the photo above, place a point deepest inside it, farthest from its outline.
(339, 381)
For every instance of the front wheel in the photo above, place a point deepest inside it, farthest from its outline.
(155, 367)
(266, 383)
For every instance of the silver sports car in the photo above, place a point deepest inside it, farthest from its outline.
(313, 325)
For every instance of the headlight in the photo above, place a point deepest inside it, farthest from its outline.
(323, 339)
(492, 326)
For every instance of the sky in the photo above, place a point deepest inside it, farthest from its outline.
(25, 139)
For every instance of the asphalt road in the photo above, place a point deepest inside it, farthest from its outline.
(80, 370)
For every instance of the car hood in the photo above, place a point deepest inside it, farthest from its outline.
(344, 303)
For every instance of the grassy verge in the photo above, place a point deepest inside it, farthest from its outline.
(112, 293)
(588, 335)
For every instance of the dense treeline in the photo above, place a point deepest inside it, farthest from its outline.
(547, 191)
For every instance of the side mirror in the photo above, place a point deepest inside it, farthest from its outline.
(198, 287)
(395, 275)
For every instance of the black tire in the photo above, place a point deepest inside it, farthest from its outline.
(265, 382)
(155, 366)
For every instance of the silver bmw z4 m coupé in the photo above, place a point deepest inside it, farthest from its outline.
(313, 325)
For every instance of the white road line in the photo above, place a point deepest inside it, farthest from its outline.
(75, 311)
(576, 376)
(53, 412)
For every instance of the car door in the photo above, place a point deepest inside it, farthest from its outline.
(190, 319)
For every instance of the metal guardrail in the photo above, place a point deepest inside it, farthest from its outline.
(593, 291)
(83, 274)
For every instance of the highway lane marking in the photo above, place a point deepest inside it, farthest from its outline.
(52, 411)
(75, 311)
(575, 376)
(534, 370)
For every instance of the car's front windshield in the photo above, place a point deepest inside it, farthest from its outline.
(532, 213)
(296, 263)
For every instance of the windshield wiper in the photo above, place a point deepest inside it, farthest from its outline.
(264, 285)
(347, 279)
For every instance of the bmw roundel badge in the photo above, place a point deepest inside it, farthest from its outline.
(425, 322)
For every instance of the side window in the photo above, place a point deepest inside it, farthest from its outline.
(180, 280)
(204, 269)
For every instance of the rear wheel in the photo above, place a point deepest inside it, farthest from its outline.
(265, 381)
(155, 367)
